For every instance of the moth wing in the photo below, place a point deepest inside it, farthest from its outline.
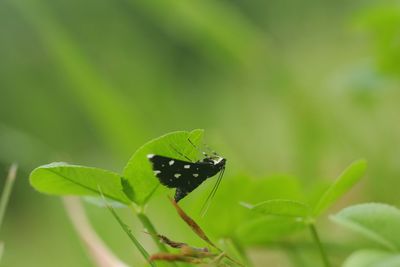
(175, 173)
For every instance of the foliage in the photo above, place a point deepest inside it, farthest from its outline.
(382, 24)
(136, 183)
(343, 184)
(267, 221)
(138, 171)
(378, 222)
(64, 179)
(289, 91)
(285, 216)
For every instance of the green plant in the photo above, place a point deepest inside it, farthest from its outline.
(284, 216)
(378, 222)
(133, 188)
(284, 213)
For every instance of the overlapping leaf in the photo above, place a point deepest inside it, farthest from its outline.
(282, 207)
(343, 184)
(372, 258)
(265, 229)
(64, 179)
(225, 214)
(138, 171)
(379, 222)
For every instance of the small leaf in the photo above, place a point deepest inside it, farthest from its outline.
(379, 222)
(222, 222)
(392, 261)
(282, 207)
(169, 257)
(138, 169)
(199, 232)
(192, 224)
(63, 179)
(372, 258)
(344, 183)
(266, 229)
(169, 242)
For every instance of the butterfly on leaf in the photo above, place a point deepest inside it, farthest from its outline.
(186, 176)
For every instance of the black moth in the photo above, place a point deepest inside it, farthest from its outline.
(186, 176)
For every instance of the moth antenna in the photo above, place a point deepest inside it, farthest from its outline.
(198, 150)
(207, 203)
(213, 152)
(190, 141)
(180, 153)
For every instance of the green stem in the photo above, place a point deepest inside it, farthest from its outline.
(142, 250)
(128, 231)
(148, 225)
(240, 251)
(315, 236)
(1, 250)
(152, 230)
(293, 255)
(5, 196)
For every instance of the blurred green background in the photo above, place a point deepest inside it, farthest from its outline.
(295, 87)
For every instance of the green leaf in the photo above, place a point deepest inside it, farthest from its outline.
(220, 220)
(372, 258)
(344, 183)
(391, 261)
(138, 169)
(127, 189)
(379, 222)
(64, 179)
(263, 230)
(282, 207)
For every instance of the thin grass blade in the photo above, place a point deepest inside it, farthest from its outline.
(5, 196)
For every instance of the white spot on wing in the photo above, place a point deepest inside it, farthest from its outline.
(177, 175)
(186, 166)
(195, 175)
(157, 172)
(149, 156)
(171, 162)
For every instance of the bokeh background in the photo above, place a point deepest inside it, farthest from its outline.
(295, 87)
